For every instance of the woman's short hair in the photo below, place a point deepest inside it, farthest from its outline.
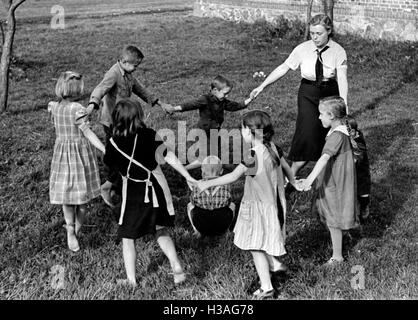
(323, 20)
(70, 85)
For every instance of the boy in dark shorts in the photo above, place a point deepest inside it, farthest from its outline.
(211, 212)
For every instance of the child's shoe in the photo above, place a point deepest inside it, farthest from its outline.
(261, 294)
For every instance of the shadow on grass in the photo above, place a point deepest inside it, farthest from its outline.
(312, 240)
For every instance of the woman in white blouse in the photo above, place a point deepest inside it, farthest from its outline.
(323, 66)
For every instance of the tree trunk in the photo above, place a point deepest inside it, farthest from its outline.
(308, 18)
(9, 33)
(2, 32)
(329, 8)
(6, 59)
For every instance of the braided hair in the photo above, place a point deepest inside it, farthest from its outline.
(259, 122)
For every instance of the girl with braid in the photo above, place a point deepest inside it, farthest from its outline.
(260, 226)
(335, 198)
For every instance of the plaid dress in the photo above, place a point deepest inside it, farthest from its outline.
(74, 177)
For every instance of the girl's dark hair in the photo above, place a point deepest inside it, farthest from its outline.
(128, 118)
(259, 120)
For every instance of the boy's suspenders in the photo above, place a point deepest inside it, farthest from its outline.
(148, 182)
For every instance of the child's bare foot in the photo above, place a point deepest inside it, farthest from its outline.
(333, 262)
(126, 282)
(178, 274)
(179, 277)
(71, 238)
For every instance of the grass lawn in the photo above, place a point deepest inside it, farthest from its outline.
(182, 54)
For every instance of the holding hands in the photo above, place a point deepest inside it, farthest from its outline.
(168, 108)
(303, 185)
(202, 185)
(256, 92)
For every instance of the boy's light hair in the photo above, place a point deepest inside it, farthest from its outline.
(131, 54)
(69, 85)
(211, 166)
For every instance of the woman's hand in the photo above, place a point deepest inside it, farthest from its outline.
(256, 92)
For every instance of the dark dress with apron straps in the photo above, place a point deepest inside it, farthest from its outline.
(146, 200)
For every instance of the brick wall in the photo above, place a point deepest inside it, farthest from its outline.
(387, 19)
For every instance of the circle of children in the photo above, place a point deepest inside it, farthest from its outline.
(132, 170)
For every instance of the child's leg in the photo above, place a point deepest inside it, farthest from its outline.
(274, 264)
(190, 207)
(364, 201)
(108, 172)
(69, 216)
(337, 243)
(79, 217)
(262, 267)
(129, 257)
(167, 246)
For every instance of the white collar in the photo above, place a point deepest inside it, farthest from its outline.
(330, 44)
(341, 128)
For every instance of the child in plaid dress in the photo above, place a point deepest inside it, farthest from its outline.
(211, 211)
(74, 178)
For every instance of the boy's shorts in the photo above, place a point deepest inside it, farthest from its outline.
(212, 222)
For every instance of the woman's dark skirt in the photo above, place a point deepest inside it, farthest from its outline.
(309, 137)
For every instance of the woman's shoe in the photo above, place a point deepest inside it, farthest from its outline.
(261, 294)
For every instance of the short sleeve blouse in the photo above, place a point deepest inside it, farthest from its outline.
(305, 56)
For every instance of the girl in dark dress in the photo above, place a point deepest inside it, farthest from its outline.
(323, 66)
(136, 152)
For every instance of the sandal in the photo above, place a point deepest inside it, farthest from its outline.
(261, 294)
